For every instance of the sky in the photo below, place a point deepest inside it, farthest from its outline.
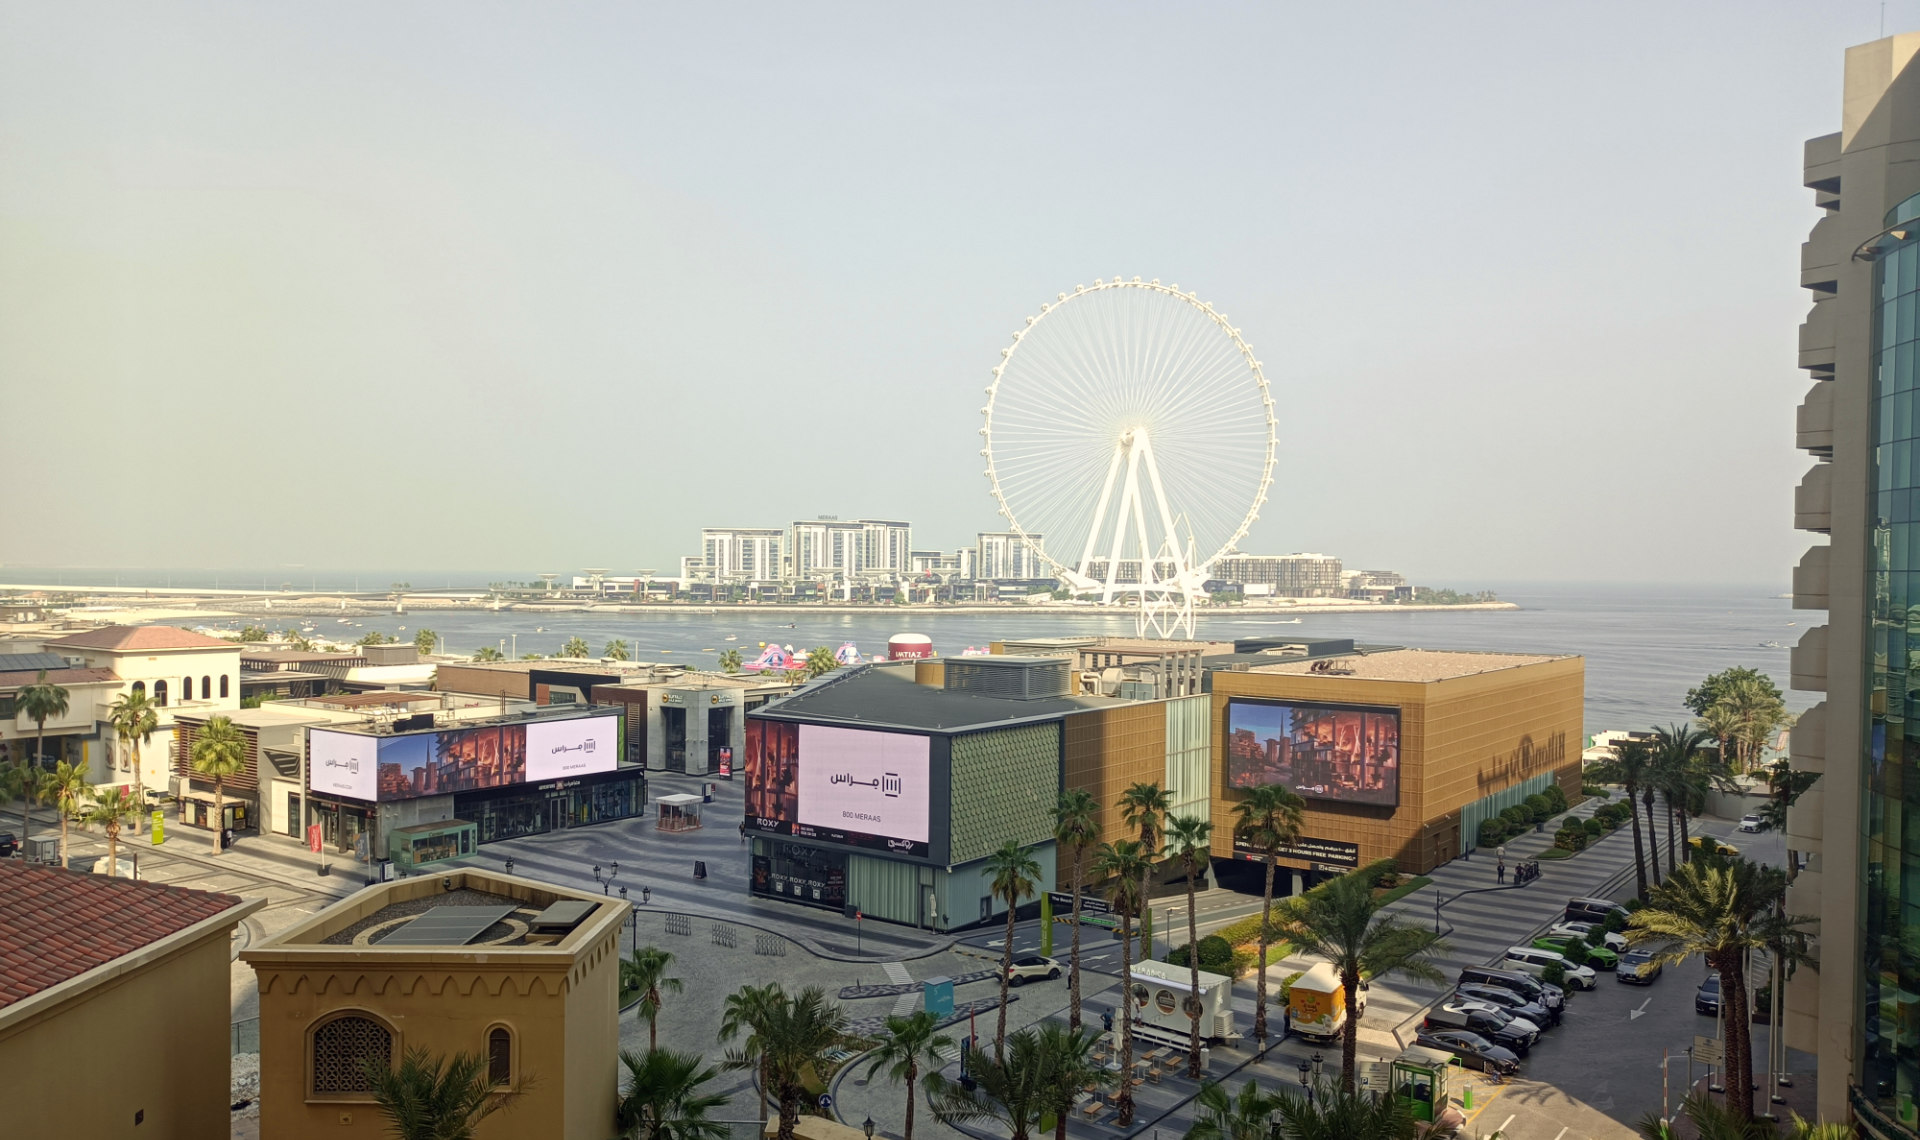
(549, 286)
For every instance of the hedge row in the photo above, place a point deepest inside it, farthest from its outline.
(1516, 819)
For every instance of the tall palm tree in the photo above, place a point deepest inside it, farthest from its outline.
(1721, 910)
(616, 650)
(1223, 1116)
(1075, 830)
(431, 1098)
(730, 661)
(911, 1042)
(68, 788)
(745, 1010)
(134, 721)
(219, 754)
(646, 970)
(41, 702)
(1268, 818)
(1653, 829)
(1630, 767)
(663, 1101)
(26, 782)
(1124, 866)
(1343, 1113)
(111, 807)
(1684, 777)
(793, 1031)
(575, 647)
(820, 661)
(1012, 874)
(424, 640)
(488, 653)
(1191, 838)
(1015, 1091)
(1066, 1054)
(1341, 922)
(1144, 806)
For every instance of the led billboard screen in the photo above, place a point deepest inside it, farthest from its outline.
(559, 748)
(341, 763)
(458, 760)
(1345, 753)
(840, 785)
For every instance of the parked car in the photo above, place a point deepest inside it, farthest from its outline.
(1470, 1046)
(1033, 967)
(1534, 960)
(1510, 1001)
(1486, 1019)
(1751, 822)
(1518, 982)
(1599, 957)
(1637, 967)
(1614, 940)
(8, 845)
(1698, 842)
(1593, 910)
(1706, 999)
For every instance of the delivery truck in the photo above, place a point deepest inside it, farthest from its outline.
(1317, 1005)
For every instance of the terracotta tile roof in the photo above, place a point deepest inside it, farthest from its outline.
(57, 924)
(139, 637)
(56, 677)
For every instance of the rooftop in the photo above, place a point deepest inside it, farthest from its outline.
(373, 700)
(57, 924)
(370, 920)
(138, 638)
(61, 676)
(890, 698)
(1420, 665)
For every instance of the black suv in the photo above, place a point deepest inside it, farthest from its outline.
(1526, 985)
(1516, 1004)
(8, 845)
(1593, 910)
(1470, 1046)
(1498, 1027)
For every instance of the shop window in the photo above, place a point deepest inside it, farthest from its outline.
(341, 1049)
(499, 1055)
(223, 686)
(160, 693)
(206, 688)
(186, 688)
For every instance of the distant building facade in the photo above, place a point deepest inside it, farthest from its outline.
(751, 553)
(1006, 555)
(1283, 575)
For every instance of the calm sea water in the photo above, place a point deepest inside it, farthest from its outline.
(1645, 645)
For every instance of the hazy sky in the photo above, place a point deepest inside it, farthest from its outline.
(516, 285)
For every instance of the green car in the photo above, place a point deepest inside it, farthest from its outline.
(1599, 957)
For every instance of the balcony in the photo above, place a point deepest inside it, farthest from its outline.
(1821, 256)
(1807, 743)
(1816, 342)
(1813, 500)
(1809, 657)
(1810, 579)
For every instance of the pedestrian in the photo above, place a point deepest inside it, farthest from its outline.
(1500, 872)
(1106, 1020)
(743, 832)
(1286, 1022)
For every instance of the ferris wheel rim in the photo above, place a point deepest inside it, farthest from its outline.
(1205, 308)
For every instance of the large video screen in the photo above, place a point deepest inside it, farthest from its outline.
(841, 785)
(1345, 753)
(459, 760)
(364, 767)
(560, 748)
(341, 763)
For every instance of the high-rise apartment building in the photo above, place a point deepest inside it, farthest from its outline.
(1004, 554)
(1289, 575)
(886, 547)
(752, 553)
(1861, 345)
(828, 548)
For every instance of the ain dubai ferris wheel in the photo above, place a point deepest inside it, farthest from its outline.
(1129, 440)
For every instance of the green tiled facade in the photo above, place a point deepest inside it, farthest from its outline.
(1004, 786)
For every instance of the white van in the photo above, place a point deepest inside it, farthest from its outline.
(1534, 961)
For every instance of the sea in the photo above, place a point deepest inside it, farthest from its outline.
(1645, 645)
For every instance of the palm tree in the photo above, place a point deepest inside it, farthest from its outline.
(793, 1031)
(219, 753)
(730, 661)
(663, 1101)
(488, 653)
(1341, 922)
(134, 721)
(1714, 1121)
(41, 702)
(1016, 1091)
(1144, 806)
(1630, 767)
(575, 647)
(911, 1042)
(1269, 818)
(1075, 829)
(745, 1010)
(1342, 1113)
(429, 1098)
(1191, 839)
(1012, 874)
(1653, 830)
(1721, 910)
(1124, 866)
(110, 808)
(26, 782)
(424, 640)
(1226, 1117)
(1684, 777)
(616, 650)
(1066, 1054)
(67, 786)
(646, 971)
(820, 661)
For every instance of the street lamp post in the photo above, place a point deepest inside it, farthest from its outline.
(868, 1128)
(606, 881)
(635, 912)
(1306, 1068)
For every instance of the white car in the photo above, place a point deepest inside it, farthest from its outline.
(1614, 942)
(1751, 823)
(1535, 961)
(1032, 968)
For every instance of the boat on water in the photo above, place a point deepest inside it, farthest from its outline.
(733, 637)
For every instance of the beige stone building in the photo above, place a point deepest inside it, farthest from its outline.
(522, 973)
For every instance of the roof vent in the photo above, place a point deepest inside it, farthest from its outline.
(1009, 678)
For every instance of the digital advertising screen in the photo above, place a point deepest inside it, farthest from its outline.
(840, 785)
(1344, 753)
(561, 748)
(341, 763)
(458, 760)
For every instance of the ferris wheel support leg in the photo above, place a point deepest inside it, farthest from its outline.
(1129, 504)
(1173, 545)
(1100, 517)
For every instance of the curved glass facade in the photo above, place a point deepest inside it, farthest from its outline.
(1890, 1021)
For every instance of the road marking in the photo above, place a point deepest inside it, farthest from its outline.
(1558, 1135)
(1507, 1121)
(1634, 1014)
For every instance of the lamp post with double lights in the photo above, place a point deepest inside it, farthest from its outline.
(606, 881)
(635, 912)
(1306, 1079)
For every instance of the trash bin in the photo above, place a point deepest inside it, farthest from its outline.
(699, 868)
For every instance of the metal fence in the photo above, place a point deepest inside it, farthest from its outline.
(245, 1036)
(1487, 807)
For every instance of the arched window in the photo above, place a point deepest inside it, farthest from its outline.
(206, 688)
(223, 686)
(186, 688)
(160, 693)
(139, 688)
(340, 1049)
(500, 1055)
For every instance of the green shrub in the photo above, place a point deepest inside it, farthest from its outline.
(1387, 875)
(1594, 828)
(1539, 805)
(1617, 922)
(1576, 952)
(1491, 834)
(1597, 936)
(1515, 817)
(1556, 798)
(1554, 975)
(1633, 904)
(1570, 839)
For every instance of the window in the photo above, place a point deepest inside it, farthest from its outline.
(160, 693)
(139, 688)
(223, 686)
(500, 1055)
(186, 688)
(206, 688)
(341, 1047)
